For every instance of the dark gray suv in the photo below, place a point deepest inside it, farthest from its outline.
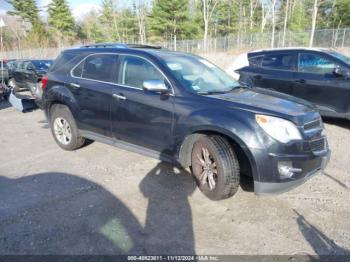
(183, 109)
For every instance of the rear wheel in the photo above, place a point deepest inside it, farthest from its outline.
(64, 128)
(215, 167)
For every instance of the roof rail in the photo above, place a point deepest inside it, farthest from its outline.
(105, 45)
(143, 46)
(119, 45)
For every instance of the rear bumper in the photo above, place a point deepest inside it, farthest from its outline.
(315, 166)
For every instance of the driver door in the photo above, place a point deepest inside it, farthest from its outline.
(316, 82)
(141, 117)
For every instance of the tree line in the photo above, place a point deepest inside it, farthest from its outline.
(164, 20)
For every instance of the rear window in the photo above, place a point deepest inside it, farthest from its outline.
(62, 60)
(255, 61)
(278, 61)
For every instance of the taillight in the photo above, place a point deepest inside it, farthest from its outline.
(44, 82)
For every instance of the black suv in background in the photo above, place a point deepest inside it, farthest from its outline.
(320, 76)
(27, 74)
(183, 109)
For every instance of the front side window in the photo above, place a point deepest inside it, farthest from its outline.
(101, 67)
(314, 63)
(278, 61)
(199, 75)
(136, 70)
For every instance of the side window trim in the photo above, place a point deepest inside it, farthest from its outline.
(117, 84)
(83, 61)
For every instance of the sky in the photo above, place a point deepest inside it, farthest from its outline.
(78, 7)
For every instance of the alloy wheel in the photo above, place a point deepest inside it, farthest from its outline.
(208, 168)
(62, 131)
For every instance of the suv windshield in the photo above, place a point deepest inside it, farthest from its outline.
(42, 65)
(200, 76)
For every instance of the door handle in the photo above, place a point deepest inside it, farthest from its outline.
(301, 81)
(74, 85)
(258, 77)
(120, 96)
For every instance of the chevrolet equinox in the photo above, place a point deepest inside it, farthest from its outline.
(181, 108)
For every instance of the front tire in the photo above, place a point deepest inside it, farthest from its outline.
(64, 128)
(215, 167)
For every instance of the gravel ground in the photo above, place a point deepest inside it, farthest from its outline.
(103, 200)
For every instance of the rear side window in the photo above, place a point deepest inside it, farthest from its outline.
(137, 70)
(100, 67)
(314, 63)
(278, 61)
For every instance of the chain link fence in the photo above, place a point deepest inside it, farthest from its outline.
(330, 38)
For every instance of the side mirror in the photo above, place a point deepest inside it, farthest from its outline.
(341, 72)
(30, 68)
(155, 85)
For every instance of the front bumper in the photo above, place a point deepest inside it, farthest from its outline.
(311, 166)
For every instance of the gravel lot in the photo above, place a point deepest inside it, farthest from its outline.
(101, 199)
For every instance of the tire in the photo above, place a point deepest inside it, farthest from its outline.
(64, 128)
(223, 167)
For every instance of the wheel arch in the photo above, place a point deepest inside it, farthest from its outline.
(60, 95)
(245, 157)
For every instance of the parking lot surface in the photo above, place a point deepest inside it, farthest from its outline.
(104, 200)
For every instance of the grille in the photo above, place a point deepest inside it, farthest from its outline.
(313, 125)
(318, 145)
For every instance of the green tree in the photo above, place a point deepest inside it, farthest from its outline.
(29, 12)
(26, 9)
(61, 20)
(299, 19)
(91, 28)
(341, 16)
(170, 19)
(109, 21)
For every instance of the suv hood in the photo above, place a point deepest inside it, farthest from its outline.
(270, 102)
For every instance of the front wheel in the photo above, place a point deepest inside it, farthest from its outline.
(215, 167)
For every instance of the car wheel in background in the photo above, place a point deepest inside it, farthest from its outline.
(64, 128)
(215, 167)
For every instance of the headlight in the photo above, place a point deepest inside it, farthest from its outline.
(278, 128)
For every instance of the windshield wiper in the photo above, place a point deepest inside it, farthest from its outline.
(215, 92)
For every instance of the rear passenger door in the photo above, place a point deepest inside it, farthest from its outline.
(316, 82)
(276, 72)
(141, 117)
(93, 83)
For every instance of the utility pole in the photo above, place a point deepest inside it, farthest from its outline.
(2, 24)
